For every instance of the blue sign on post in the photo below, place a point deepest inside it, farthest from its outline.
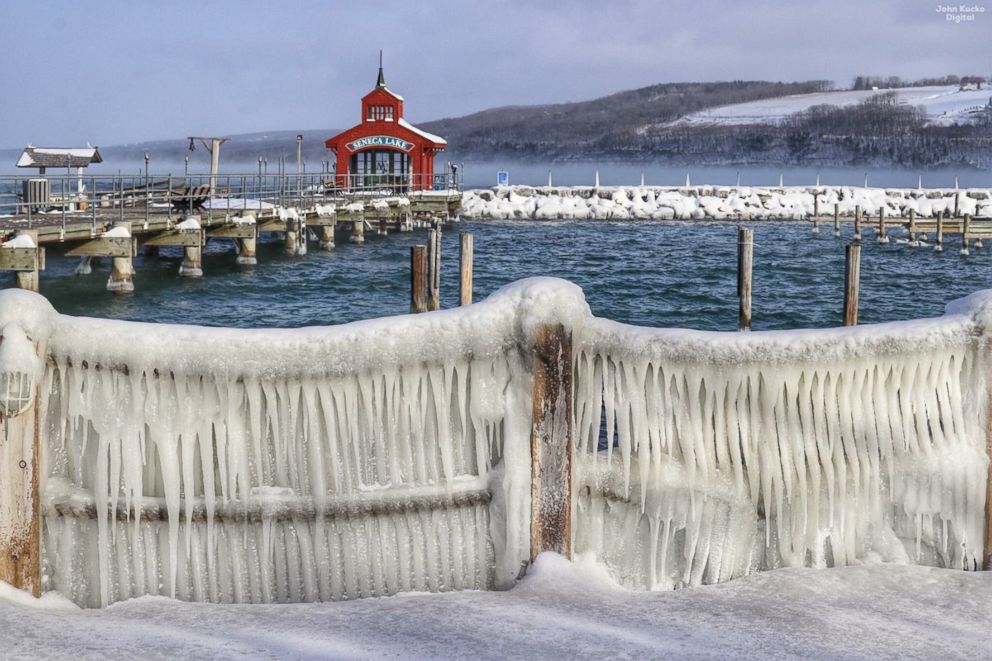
(502, 178)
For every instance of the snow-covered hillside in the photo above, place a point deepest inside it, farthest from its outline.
(944, 105)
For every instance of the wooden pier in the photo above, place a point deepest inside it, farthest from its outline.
(118, 222)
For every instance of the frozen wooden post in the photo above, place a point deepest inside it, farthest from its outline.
(957, 204)
(836, 219)
(816, 213)
(122, 269)
(434, 269)
(465, 267)
(965, 228)
(28, 272)
(358, 231)
(382, 227)
(857, 223)
(418, 278)
(246, 252)
(912, 227)
(938, 242)
(192, 266)
(551, 443)
(20, 515)
(882, 236)
(745, 249)
(852, 283)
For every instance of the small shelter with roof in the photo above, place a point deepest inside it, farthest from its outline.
(53, 157)
(384, 148)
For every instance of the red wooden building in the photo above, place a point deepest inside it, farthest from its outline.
(385, 149)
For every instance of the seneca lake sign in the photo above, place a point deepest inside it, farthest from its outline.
(380, 141)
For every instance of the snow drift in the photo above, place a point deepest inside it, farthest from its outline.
(394, 454)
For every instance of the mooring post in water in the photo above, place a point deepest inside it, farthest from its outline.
(912, 227)
(383, 231)
(358, 231)
(882, 236)
(418, 278)
(852, 283)
(857, 223)
(26, 261)
(816, 210)
(551, 443)
(434, 269)
(246, 251)
(122, 268)
(938, 242)
(465, 269)
(836, 219)
(20, 502)
(192, 266)
(745, 249)
(965, 228)
(957, 204)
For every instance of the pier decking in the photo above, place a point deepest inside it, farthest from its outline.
(114, 216)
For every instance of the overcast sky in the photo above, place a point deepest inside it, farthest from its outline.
(116, 72)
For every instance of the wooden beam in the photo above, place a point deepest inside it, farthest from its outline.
(551, 442)
(106, 246)
(20, 521)
(465, 268)
(233, 231)
(184, 238)
(418, 279)
(18, 259)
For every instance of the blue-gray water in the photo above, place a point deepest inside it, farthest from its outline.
(671, 274)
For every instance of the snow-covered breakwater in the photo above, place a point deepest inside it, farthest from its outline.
(395, 454)
(714, 202)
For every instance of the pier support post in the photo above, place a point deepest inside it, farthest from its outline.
(358, 231)
(816, 210)
(20, 502)
(836, 220)
(327, 236)
(192, 266)
(852, 283)
(857, 223)
(938, 243)
(882, 236)
(912, 228)
(551, 443)
(292, 237)
(418, 279)
(246, 252)
(85, 266)
(465, 268)
(382, 227)
(434, 269)
(965, 228)
(745, 249)
(121, 279)
(957, 204)
(28, 272)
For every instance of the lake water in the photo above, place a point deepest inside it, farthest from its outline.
(671, 274)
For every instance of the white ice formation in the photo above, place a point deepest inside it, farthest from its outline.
(713, 202)
(394, 454)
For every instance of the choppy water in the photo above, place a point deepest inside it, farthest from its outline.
(672, 274)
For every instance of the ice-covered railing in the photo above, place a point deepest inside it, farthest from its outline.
(704, 456)
(279, 465)
(444, 450)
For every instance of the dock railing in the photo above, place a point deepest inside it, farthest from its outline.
(445, 450)
(67, 197)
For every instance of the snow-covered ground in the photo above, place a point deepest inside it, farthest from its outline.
(561, 610)
(715, 202)
(944, 105)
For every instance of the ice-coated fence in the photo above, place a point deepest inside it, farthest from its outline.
(413, 453)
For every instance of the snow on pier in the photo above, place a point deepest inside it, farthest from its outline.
(715, 202)
(395, 454)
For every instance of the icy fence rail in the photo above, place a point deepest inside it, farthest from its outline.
(396, 454)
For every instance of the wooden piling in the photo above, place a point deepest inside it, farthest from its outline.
(121, 279)
(938, 242)
(292, 237)
(465, 263)
(957, 205)
(192, 266)
(383, 231)
(20, 502)
(29, 276)
(327, 236)
(434, 269)
(857, 223)
(358, 231)
(912, 227)
(745, 248)
(246, 252)
(852, 283)
(551, 442)
(882, 237)
(418, 278)
(836, 219)
(965, 228)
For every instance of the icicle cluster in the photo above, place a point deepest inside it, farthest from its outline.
(725, 454)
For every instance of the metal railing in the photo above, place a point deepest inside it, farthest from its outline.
(68, 197)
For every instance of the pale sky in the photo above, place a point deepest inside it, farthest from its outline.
(117, 72)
